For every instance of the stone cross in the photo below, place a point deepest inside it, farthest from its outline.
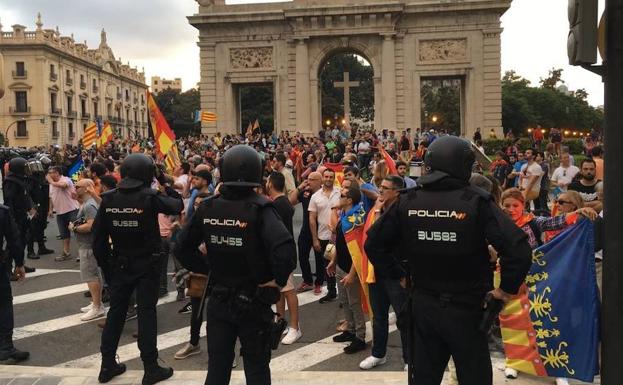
(346, 84)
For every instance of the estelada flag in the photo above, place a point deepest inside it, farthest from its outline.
(90, 135)
(106, 136)
(551, 328)
(165, 138)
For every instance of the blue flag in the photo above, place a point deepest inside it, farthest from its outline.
(100, 125)
(75, 169)
(553, 328)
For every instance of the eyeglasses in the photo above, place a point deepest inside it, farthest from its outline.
(381, 187)
(562, 202)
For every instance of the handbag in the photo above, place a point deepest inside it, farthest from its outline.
(196, 285)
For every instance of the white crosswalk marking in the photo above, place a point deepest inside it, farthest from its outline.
(57, 324)
(42, 272)
(49, 294)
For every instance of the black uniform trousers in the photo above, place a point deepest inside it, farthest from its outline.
(224, 328)
(36, 229)
(442, 329)
(142, 274)
(6, 310)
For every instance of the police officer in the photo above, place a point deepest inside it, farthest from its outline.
(17, 198)
(39, 189)
(444, 229)
(128, 216)
(250, 255)
(15, 252)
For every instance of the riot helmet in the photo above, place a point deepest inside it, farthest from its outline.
(241, 166)
(136, 170)
(34, 166)
(448, 156)
(17, 166)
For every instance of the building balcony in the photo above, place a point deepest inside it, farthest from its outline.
(95, 89)
(19, 110)
(56, 111)
(83, 86)
(86, 115)
(72, 114)
(69, 81)
(20, 74)
(53, 76)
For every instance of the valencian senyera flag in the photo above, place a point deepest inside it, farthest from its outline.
(165, 138)
(172, 160)
(551, 328)
(352, 223)
(204, 116)
(75, 169)
(90, 135)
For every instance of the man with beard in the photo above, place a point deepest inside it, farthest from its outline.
(588, 186)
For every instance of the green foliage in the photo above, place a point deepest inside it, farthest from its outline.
(492, 145)
(256, 102)
(441, 99)
(361, 97)
(524, 106)
(178, 109)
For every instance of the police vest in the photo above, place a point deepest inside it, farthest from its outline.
(230, 229)
(446, 246)
(132, 222)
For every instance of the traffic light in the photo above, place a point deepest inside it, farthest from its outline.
(582, 41)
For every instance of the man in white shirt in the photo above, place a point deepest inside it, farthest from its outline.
(563, 175)
(530, 177)
(320, 206)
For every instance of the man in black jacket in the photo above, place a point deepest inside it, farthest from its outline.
(15, 253)
(250, 256)
(128, 218)
(444, 230)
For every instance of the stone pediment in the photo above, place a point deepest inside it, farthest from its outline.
(19, 86)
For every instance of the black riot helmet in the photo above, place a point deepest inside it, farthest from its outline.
(35, 167)
(448, 156)
(136, 170)
(241, 166)
(17, 166)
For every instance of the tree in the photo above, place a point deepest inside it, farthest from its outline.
(256, 102)
(178, 109)
(555, 77)
(441, 99)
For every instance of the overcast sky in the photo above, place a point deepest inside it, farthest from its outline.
(156, 35)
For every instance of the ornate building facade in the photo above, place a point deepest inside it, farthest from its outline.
(407, 42)
(160, 84)
(56, 86)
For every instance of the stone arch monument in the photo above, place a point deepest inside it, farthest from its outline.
(285, 44)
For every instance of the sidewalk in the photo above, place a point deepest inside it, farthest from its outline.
(31, 375)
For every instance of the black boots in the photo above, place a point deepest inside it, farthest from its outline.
(13, 356)
(109, 371)
(156, 373)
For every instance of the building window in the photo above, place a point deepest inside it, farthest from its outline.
(95, 109)
(83, 107)
(68, 75)
(109, 110)
(70, 102)
(21, 130)
(83, 84)
(70, 130)
(21, 101)
(20, 69)
(135, 116)
(54, 129)
(53, 101)
(52, 70)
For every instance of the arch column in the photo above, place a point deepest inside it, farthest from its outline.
(303, 102)
(378, 101)
(388, 82)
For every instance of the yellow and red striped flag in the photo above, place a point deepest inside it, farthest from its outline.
(89, 137)
(165, 138)
(106, 135)
(207, 116)
(172, 160)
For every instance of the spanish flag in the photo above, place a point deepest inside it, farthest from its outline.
(90, 135)
(165, 138)
(106, 136)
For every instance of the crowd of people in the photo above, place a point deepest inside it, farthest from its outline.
(343, 181)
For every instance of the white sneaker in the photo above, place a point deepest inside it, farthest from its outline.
(285, 331)
(562, 381)
(292, 336)
(94, 313)
(391, 319)
(87, 308)
(371, 362)
(510, 373)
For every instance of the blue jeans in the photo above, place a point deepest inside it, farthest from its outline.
(385, 292)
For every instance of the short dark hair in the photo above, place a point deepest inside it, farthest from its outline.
(597, 151)
(57, 169)
(281, 158)
(109, 164)
(328, 169)
(204, 174)
(109, 181)
(278, 181)
(203, 195)
(98, 169)
(587, 160)
(400, 163)
(354, 193)
(186, 167)
(396, 181)
(353, 169)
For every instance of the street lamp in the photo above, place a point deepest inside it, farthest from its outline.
(434, 118)
(328, 122)
(529, 131)
(6, 132)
